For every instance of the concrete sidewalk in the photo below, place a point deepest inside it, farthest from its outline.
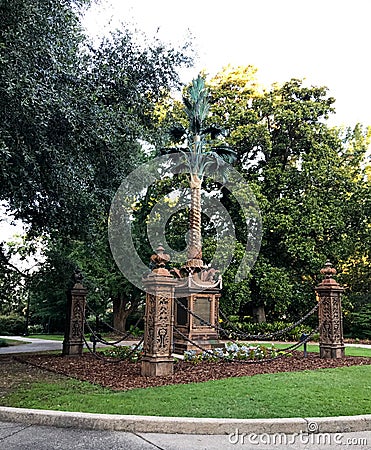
(184, 425)
(33, 345)
(18, 436)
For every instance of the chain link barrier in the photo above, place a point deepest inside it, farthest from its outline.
(90, 349)
(276, 333)
(246, 335)
(99, 338)
(282, 353)
(110, 360)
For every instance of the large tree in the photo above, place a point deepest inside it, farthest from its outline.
(307, 177)
(73, 119)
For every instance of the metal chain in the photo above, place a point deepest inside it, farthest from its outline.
(99, 338)
(246, 335)
(115, 360)
(279, 332)
(125, 336)
(283, 352)
(82, 336)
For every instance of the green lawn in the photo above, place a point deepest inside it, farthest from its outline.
(12, 342)
(325, 392)
(49, 337)
(349, 351)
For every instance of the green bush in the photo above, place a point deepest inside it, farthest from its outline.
(3, 343)
(359, 323)
(35, 329)
(12, 325)
(266, 328)
(129, 352)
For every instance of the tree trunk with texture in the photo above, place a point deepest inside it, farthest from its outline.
(194, 251)
(120, 313)
(259, 314)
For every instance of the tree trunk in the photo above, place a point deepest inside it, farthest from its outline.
(259, 314)
(120, 314)
(194, 250)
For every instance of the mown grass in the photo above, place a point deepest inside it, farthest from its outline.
(324, 392)
(349, 351)
(49, 337)
(11, 342)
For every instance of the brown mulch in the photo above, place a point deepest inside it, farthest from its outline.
(125, 375)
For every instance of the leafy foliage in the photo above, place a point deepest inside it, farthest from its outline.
(73, 120)
(308, 179)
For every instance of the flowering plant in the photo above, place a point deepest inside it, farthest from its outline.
(130, 352)
(233, 351)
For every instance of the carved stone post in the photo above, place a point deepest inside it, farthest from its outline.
(73, 338)
(331, 344)
(159, 319)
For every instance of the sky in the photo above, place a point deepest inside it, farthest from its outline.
(326, 42)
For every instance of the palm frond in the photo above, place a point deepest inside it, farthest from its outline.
(213, 131)
(177, 133)
(225, 152)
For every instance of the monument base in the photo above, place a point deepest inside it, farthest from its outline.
(156, 367)
(332, 351)
(72, 348)
(181, 345)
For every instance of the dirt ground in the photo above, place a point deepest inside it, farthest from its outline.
(125, 375)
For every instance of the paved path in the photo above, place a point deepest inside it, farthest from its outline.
(18, 436)
(40, 345)
(31, 345)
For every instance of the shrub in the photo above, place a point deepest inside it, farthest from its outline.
(129, 352)
(12, 325)
(35, 329)
(3, 343)
(359, 323)
(233, 351)
(267, 328)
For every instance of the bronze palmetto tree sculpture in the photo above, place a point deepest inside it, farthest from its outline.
(199, 155)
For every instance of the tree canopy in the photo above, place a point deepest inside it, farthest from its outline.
(75, 118)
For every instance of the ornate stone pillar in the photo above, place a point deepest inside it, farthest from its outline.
(157, 359)
(76, 300)
(331, 343)
(200, 297)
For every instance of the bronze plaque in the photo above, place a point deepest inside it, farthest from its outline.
(181, 313)
(201, 307)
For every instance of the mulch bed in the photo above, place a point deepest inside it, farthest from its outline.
(125, 375)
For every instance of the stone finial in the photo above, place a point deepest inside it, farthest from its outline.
(158, 262)
(78, 279)
(328, 281)
(77, 276)
(328, 270)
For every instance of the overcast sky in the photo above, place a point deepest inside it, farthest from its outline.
(327, 42)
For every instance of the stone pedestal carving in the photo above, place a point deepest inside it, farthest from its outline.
(331, 342)
(201, 297)
(73, 338)
(157, 359)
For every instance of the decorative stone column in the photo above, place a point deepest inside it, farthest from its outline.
(76, 300)
(157, 359)
(197, 294)
(331, 344)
